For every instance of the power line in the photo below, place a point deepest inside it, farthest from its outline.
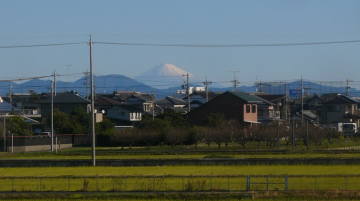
(38, 77)
(189, 45)
(186, 45)
(41, 45)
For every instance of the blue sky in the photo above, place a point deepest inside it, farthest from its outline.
(184, 21)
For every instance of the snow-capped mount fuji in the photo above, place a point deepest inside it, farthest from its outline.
(163, 76)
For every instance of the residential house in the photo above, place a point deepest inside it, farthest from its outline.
(238, 106)
(172, 103)
(278, 109)
(25, 103)
(143, 101)
(266, 111)
(117, 111)
(66, 102)
(338, 108)
(5, 107)
(200, 97)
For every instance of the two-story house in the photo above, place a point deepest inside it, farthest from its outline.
(172, 103)
(238, 106)
(117, 111)
(142, 101)
(339, 108)
(199, 98)
(66, 102)
(277, 106)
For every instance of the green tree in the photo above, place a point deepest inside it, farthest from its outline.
(106, 127)
(18, 126)
(62, 122)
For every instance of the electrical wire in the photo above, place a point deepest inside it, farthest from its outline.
(227, 45)
(186, 45)
(41, 45)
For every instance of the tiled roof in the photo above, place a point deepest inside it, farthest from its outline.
(103, 100)
(271, 97)
(66, 97)
(124, 95)
(247, 97)
(175, 101)
(341, 99)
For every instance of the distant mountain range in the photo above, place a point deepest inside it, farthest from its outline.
(110, 83)
(162, 80)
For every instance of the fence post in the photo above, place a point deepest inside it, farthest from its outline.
(182, 184)
(248, 184)
(228, 183)
(286, 183)
(68, 183)
(345, 183)
(39, 184)
(12, 184)
(97, 183)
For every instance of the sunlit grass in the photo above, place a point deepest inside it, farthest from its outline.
(184, 170)
(168, 153)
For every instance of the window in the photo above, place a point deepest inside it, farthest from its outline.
(253, 108)
(247, 108)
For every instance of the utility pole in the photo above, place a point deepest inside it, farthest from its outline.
(307, 134)
(4, 132)
(286, 101)
(188, 91)
(302, 100)
(347, 88)
(207, 83)
(153, 107)
(10, 93)
(235, 81)
(92, 110)
(259, 87)
(54, 79)
(52, 111)
(293, 134)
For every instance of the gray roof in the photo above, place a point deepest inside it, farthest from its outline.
(64, 98)
(130, 108)
(171, 100)
(124, 95)
(338, 99)
(247, 97)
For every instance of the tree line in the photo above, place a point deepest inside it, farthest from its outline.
(173, 129)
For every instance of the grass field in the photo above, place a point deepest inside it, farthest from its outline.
(173, 153)
(185, 170)
(171, 178)
(228, 182)
(127, 199)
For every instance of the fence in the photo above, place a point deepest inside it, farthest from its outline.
(42, 142)
(208, 183)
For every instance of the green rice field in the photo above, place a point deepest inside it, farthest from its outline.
(184, 170)
(175, 153)
(181, 178)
